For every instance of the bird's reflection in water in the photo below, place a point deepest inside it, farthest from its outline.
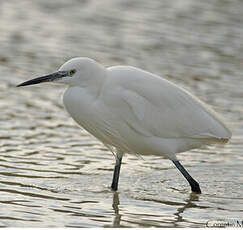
(188, 204)
(116, 202)
(179, 218)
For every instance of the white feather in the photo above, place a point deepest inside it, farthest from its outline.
(138, 112)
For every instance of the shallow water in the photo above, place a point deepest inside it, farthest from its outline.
(54, 174)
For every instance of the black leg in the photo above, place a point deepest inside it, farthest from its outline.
(194, 185)
(116, 173)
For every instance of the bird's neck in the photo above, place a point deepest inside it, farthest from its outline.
(95, 82)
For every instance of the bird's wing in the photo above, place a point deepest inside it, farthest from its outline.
(153, 106)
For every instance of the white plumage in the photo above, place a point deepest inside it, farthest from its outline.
(137, 112)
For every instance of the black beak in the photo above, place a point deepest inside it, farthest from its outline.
(46, 78)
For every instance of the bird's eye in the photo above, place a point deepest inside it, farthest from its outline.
(73, 71)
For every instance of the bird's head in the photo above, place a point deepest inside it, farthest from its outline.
(79, 71)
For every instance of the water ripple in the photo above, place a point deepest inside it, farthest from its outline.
(54, 174)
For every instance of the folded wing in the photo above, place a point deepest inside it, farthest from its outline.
(153, 106)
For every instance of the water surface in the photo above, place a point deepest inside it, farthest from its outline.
(54, 174)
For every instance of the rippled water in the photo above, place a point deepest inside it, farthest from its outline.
(54, 174)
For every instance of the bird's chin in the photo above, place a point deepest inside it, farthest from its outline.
(64, 80)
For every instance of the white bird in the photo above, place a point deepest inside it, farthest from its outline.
(136, 112)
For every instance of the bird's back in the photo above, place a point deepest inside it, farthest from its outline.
(154, 107)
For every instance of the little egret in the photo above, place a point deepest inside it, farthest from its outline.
(133, 111)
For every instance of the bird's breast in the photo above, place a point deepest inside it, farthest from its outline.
(80, 105)
(89, 113)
